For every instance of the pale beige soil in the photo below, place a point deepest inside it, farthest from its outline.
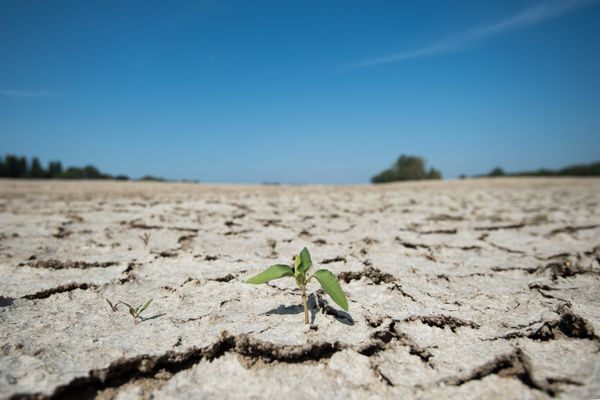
(461, 289)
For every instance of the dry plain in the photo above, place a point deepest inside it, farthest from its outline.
(458, 289)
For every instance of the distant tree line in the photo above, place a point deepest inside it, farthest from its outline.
(12, 166)
(407, 168)
(592, 169)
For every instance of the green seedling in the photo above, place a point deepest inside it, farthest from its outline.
(273, 245)
(113, 307)
(302, 264)
(136, 311)
(145, 238)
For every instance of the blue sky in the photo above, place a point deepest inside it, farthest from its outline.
(299, 92)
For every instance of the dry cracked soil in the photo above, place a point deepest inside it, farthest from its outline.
(460, 289)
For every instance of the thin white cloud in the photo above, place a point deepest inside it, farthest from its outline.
(468, 38)
(28, 93)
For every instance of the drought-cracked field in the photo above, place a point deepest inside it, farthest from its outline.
(466, 289)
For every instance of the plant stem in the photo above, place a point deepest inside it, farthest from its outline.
(303, 287)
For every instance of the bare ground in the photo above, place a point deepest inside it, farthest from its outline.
(467, 289)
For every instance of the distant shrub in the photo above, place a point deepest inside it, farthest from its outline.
(407, 168)
(434, 174)
(152, 178)
(87, 172)
(497, 172)
(592, 169)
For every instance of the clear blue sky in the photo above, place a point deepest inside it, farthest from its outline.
(300, 91)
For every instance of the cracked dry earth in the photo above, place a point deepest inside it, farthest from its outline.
(465, 289)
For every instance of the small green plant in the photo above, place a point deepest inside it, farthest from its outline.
(302, 264)
(273, 245)
(113, 307)
(145, 238)
(134, 311)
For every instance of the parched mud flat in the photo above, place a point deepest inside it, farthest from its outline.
(470, 289)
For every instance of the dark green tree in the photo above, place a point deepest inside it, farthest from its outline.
(12, 166)
(434, 174)
(55, 169)
(497, 172)
(87, 172)
(581, 170)
(406, 168)
(37, 171)
(3, 171)
(91, 172)
(23, 167)
(592, 169)
(152, 178)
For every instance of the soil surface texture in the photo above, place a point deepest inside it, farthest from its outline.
(467, 289)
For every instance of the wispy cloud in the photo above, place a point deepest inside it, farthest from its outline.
(465, 39)
(28, 93)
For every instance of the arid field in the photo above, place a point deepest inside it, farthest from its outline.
(460, 289)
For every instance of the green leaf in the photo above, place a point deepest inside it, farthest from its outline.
(305, 261)
(112, 306)
(330, 284)
(132, 312)
(127, 305)
(145, 306)
(273, 272)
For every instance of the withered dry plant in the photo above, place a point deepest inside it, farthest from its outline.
(302, 264)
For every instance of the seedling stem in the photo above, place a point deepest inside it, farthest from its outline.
(304, 300)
